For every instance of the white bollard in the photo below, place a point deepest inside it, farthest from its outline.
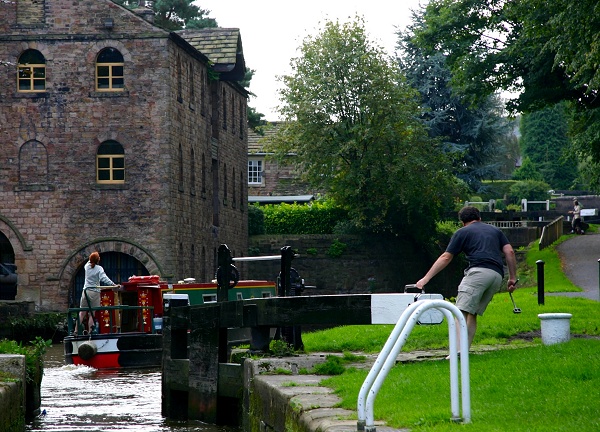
(556, 327)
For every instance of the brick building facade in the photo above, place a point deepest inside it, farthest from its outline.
(120, 137)
(266, 176)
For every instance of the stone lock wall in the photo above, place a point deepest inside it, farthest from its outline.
(368, 264)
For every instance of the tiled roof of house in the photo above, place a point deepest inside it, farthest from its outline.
(256, 142)
(223, 46)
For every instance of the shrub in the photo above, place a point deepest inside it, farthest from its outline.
(336, 249)
(319, 217)
(34, 354)
(530, 190)
(256, 220)
(49, 325)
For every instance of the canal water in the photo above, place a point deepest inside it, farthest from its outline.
(83, 399)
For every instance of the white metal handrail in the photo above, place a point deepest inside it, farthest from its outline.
(387, 358)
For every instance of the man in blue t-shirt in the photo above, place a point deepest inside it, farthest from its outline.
(483, 246)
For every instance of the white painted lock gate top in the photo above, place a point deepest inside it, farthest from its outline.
(387, 308)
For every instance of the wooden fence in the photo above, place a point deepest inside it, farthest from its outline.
(551, 232)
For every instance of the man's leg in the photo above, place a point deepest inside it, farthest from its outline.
(471, 321)
(471, 325)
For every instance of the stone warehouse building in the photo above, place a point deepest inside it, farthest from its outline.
(120, 137)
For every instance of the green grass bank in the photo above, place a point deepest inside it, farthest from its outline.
(521, 385)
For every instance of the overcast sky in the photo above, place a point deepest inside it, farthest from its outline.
(272, 30)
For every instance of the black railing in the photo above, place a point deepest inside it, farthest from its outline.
(115, 319)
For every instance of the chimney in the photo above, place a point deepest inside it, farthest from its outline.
(145, 10)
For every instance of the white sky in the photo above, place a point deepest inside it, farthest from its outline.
(272, 31)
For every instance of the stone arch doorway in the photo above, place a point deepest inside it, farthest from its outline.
(7, 253)
(117, 266)
(119, 258)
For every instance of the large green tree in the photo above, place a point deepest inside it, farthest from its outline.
(548, 51)
(544, 139)
(352, 122)
(475, 134)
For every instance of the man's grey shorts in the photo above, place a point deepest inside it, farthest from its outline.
(476, 289)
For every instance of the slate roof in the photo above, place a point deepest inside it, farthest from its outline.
(222, 46)
(256, 142)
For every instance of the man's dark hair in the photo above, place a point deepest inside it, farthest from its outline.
(468, 214)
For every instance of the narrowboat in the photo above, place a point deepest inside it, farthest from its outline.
(128, 326)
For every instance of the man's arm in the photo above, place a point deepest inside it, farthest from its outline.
(511, 262)
(440, 264)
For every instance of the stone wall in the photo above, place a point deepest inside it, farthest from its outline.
(368, 264)
(12, 393)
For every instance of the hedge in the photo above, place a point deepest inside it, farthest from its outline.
(314, 218)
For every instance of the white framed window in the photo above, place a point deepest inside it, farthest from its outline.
(266, 294)
(255, 171)
(239, 296)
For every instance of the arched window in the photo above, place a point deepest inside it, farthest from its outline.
(233, 198)
(109, 70)
(203, 85)
(192, 172)
(179, 82)
(192, 89)
(225, 183)
(203, 190)
(180, 158)
(224, 108)
(31, 72)
(110, 163)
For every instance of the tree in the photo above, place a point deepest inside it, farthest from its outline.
(548, 51)
(176, 14)
(351, 122)
(527, 171)
(544, 140)
(475, 134)
(531, 190)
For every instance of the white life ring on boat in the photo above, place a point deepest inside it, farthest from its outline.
(87, 350)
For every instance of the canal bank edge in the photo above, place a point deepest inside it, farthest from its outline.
(275, 401)
(12, 392)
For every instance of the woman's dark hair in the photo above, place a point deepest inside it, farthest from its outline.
(468, 214)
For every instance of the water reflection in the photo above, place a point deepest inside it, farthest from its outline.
(80, 398)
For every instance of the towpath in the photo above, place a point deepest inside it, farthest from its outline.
(579, 256)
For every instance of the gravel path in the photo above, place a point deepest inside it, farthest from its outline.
(579, 256)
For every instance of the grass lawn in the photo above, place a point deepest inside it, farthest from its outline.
(533, 388)
(539, 388)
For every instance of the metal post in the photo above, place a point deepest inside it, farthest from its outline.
(599, 275)
(224, 262)
(223, 279)
(540, 274)
(287, 254)
(289, 334)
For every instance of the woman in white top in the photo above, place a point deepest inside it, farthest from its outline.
(576, 217)
(90, 296)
